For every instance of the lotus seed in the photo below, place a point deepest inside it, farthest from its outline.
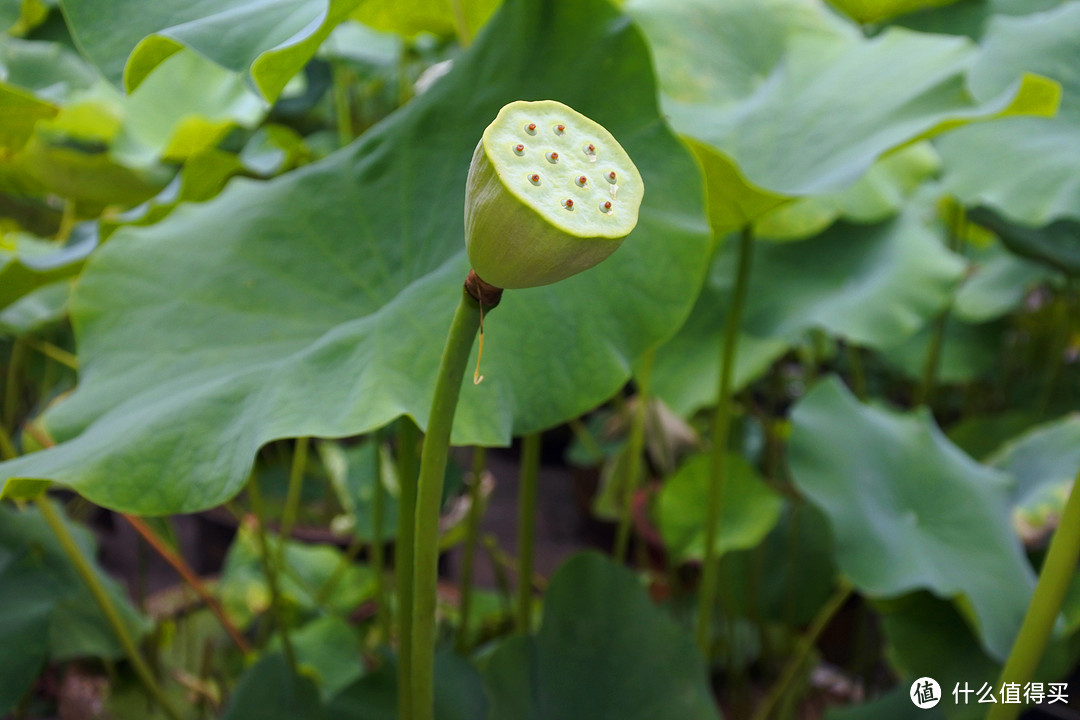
(534, 179)
(519, 149)
(582, 180)
(605, 206)
(611, 176)
(568, 204)
(560, 129)
(553, 157)
(531, 128)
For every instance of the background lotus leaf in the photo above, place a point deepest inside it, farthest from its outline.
(751, 508)
(1025, 168)
(752, 81)
(46, 611)
(870, 285)
(909, 510)
(603, 652)
(270, 39)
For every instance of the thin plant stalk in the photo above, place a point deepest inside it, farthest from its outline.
(7, 446)
(378, 561)
(858, 375)
(925, 390)
(526, 541)
(404, 545)
(802, 651)
(635, 450)
(718, 455)
(429, 489)
(472, 532)
(105, 603)
(270, 569)
(1054, 579)
(292, 495)
(184, 571)
(11, 385)
(343, 80)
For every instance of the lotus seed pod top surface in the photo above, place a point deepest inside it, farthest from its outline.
(565, 167)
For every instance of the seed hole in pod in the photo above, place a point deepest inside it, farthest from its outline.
(582, 180)
(519, 149)
(534, 179)
(531, 128)
(605, 207)
(568, 204)
(590, 151)
(611, 177)
(560, 129)
(553, 157)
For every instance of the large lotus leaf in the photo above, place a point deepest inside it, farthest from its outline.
(893, 705)
(46, 611)
(28, 263)
(909, 510)
(270, 39)
(411, 17)
(317, 304)
(872, 11)
(1044, 462)
(327, 650)
(876, 196)
(750, 510)
(603, 652)
(770, 85)
(1026, 168)
(871, 285)
(1056, 244)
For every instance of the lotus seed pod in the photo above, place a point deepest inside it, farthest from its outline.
(550, 193)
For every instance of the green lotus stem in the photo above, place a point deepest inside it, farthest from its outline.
(858, 375)
(105, 603)
(7, 447)
(271, 569)
(378, 561)
(1054, 578)
(11, 385)
(718, 455)
(472, 532)
(429, 489)
(526, 540)
(404, 546)
(343, 78)
(796, 661)
(292, 495)
(635, 450)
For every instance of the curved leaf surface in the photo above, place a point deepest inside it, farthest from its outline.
(770, 86)
(1025, 168)
(270, 39)
(871, 285)
(909, 510)
(317, 304)
(600, 639)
